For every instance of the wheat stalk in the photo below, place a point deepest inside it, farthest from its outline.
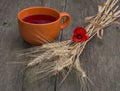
(61, 55)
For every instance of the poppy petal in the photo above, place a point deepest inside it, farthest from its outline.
(80, 35)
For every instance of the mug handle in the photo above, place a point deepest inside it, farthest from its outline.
(67, 21)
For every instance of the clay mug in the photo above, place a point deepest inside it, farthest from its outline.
(37, 34)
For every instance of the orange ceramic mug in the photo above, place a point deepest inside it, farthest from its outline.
(37, 34)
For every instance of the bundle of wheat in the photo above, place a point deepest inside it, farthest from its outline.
(56, 57)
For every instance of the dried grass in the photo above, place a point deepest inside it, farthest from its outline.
(58, 56)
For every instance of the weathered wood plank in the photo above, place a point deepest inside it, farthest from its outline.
(101, 58)
(10, 42)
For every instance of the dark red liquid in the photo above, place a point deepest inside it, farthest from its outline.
(39, 19)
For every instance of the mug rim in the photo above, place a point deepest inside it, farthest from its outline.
(37, 7)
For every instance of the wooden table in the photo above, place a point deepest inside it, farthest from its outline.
(100, 59)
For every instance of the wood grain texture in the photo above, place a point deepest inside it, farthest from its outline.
(100, 59)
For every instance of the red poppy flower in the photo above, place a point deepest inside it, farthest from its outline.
(80, 35)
